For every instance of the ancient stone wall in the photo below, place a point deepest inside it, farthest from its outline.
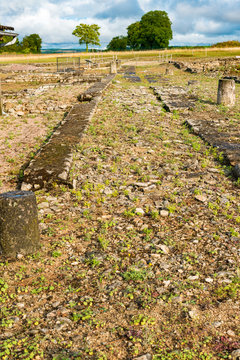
(52, 164)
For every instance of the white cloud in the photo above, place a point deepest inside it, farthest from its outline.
(211, 26)
(193, 21)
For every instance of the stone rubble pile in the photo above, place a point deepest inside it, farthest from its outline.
(30, 101)
(199, 66)
(20, 104)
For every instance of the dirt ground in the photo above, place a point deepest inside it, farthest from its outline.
(141, 258)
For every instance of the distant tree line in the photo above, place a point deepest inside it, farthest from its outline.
(153, 31)
(228, 44)
(30, 44)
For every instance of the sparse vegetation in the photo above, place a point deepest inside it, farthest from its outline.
(227, 44)
(142, 256)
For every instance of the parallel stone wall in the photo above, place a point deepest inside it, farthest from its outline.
(176, 98)
(209, 133)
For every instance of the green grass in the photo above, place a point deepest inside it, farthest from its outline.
(125, 55)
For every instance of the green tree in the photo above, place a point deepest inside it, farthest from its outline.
(88, 34)
(133, 36)
(32, 43)
(118, 43)
(153, 31)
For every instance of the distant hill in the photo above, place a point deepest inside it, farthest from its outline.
(53, 51)
(230, 43)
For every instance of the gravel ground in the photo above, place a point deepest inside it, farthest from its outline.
(141, 258)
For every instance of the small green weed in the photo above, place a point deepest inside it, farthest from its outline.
(134, 274)
(229, 291)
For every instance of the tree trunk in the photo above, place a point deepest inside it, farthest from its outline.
(86, 47)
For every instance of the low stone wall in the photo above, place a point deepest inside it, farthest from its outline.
(33, 78)
(52, 164)
(206, 65)
(208, 132)
(18, 104)
(176, 98)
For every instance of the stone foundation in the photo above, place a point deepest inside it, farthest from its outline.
(52, 164)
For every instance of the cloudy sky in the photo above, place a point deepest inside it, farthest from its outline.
(193, 21)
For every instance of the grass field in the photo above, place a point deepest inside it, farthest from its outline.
(176, 53)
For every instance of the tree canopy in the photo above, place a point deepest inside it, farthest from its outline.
(229, 43)
(118, 43)
(134, 35)
(32, 43)
(153, 31)
(88, 34)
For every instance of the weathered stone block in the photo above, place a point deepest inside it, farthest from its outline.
(113, 67)
(226, 92)
(19, 231)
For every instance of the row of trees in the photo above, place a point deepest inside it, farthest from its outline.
(153, 31)
(30, 44)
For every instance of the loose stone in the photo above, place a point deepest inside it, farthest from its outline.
(194, 314)
(164, 213)
(201, 198)
(235, 355)
(165, 249)
(139, 211)
(144, 357)
(19, 231)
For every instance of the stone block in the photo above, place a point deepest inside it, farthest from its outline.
(19, 230)
(226, 92)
